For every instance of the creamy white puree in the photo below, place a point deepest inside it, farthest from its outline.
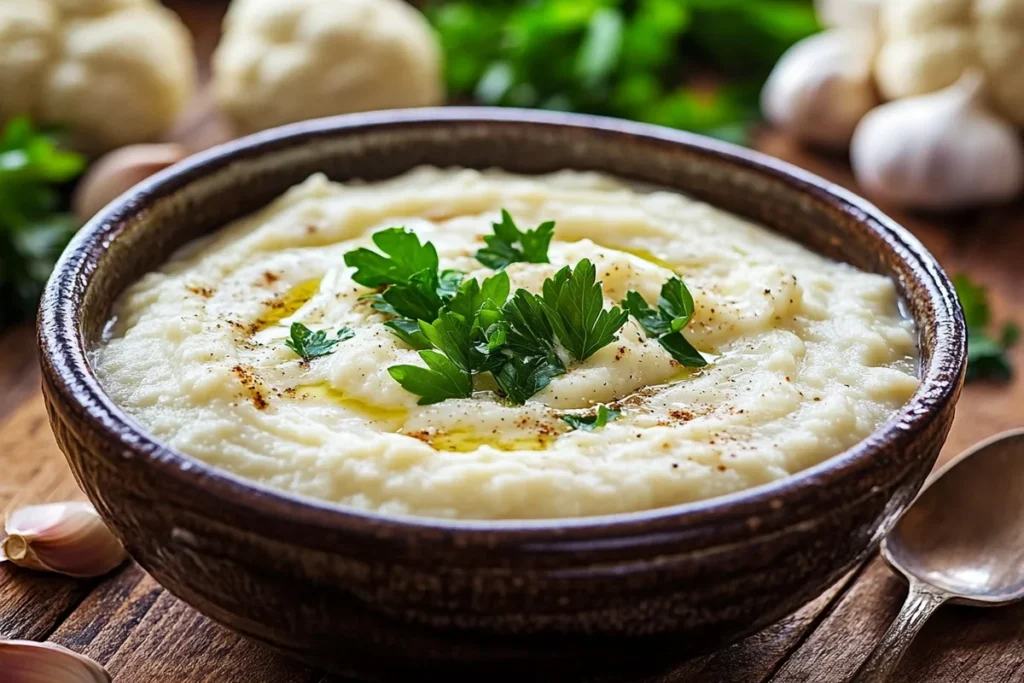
(808, 356)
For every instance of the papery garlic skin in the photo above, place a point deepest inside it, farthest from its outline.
(938, 151)
(67, 538)
(821, 87)
(26, 661)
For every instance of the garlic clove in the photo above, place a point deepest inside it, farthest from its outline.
(26, 661)
(67, 538)
(119, 171)
(939, 151)
(848, 13)
(821, 87)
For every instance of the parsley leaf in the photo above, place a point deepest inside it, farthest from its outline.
(414, 288)
(408, 330)
(309, 345)
(589, 423)
(405, 258)
(530, 358)
(675, 309)
(440, 380)
(509, 244)
(522, 377)
(446, 376)
(986, 354)
(574, 305)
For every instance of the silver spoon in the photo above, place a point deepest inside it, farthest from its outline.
(961, 540)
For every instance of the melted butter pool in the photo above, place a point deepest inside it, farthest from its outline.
(289, 302)
(467, 441)
(325, 392)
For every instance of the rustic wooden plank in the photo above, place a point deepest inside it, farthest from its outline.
(142, 633)
(756, 658)
(32, 603)
(19, 368)
(973, 645)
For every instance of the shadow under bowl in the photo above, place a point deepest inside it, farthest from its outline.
(388, 598)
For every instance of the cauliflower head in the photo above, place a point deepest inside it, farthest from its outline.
(928, 44)
(112, 72)
(281, 61)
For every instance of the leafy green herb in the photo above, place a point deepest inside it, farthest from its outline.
(574, 305)
(442, 379)
(675, 309)
(309, 345)
(602, 416)
(509, 244)
(645, 60)
(520, 378)
(33, 227)
(408, 271)
(986, 354)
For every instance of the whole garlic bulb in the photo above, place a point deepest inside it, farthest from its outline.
(821, 87)
(938, 151)
(847, 13)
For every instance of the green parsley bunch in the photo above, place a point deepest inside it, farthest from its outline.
(464, 329)
(34, 228)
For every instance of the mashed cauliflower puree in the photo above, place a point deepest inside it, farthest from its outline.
(806, 356)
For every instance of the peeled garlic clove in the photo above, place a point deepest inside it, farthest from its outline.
(117, 172)
(26, 661)
(938, 151)
(847, 13)
(68, 538)
(822, 87)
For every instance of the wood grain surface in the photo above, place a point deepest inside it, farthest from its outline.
(141, 633)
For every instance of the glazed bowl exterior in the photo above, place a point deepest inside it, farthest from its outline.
(387, 597)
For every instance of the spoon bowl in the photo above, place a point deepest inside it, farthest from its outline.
(965, 532)
(961, 540)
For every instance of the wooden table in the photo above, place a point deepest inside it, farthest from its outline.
(141, 633)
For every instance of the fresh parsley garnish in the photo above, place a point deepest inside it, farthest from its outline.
(509, 244)
(574, 304)
(464, 328)
(440, 380)
(986, 354)
(308, 344)
(408, 272)
(469, 331)
(449, 368)
(666, 324)
(602, 416)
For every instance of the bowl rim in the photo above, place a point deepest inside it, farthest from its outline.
(68, 372)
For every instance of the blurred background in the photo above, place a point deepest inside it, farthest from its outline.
(916, 104)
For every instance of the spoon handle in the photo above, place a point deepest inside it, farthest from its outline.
(921, 601)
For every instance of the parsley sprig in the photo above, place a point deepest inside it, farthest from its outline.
(601, 417)
(413, 286)
(308, 344)
(986, 353)
(465, 328)
(574, 305)
(509, 244)
(666, 323)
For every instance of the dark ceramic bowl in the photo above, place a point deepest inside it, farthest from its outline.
(386, 597)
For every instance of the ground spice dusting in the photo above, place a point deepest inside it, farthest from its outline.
(251, 382)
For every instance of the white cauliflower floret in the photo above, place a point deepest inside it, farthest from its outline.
(281, 61)
(928, 44)
(113, 72)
